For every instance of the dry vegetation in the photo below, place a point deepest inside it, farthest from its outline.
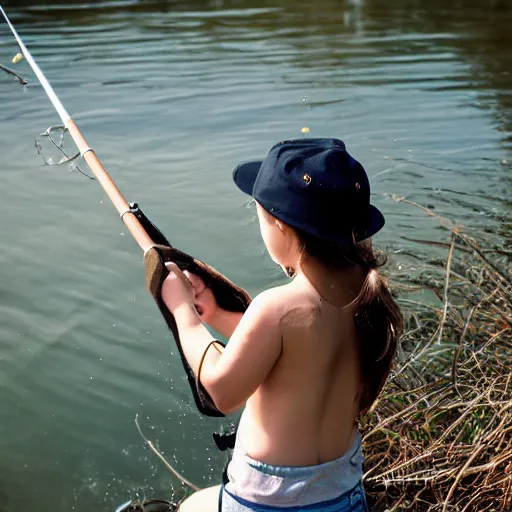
(440, 436)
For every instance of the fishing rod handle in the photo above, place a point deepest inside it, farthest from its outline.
(131, 222)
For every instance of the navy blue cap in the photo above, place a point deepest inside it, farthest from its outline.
(313, 185)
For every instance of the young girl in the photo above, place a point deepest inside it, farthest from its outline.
(307, 359)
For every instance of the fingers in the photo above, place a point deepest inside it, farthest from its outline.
(196, 281)
(203, 296)
(206, 305)
(176, 288)
(176, 273)
(172, 267)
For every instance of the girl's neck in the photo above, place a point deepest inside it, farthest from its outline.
(337, 286)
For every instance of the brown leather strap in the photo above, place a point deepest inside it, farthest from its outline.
(203, 357)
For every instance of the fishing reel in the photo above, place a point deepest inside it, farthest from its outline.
(55, 145)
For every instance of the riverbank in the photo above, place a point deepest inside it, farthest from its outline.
(440, 436)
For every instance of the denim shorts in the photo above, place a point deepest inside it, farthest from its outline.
(351, 501)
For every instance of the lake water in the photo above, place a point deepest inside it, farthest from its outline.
(172, 96)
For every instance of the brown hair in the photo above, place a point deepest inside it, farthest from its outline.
(377, 316)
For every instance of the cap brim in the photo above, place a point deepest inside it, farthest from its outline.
(375, 225)
(245, 175)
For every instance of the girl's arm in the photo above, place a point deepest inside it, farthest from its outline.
(230, 376)
(221, 320)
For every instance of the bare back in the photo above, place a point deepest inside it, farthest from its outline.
(303, 413)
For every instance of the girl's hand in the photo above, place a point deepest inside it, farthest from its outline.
(185, 288)
(177, 290)
(205, 302)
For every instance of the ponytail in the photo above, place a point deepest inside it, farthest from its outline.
(379, 324)
(377, 317)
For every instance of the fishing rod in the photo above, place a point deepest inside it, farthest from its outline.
(157, 249)
(86, 152)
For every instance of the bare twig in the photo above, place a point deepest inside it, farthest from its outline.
(445, 294)
(162, 458)
(437, 243)
(450, 225)
(13, 73)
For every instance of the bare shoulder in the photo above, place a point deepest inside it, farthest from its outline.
(274, 296)
(287, 304)
(270, 304)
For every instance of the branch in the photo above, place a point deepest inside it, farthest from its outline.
(161, 457)
(13, 73)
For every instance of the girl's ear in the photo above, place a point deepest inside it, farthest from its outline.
(279, 225)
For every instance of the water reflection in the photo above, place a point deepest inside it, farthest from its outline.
(322, 34)
(172, 95)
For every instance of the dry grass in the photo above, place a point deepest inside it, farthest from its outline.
(440, 436)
